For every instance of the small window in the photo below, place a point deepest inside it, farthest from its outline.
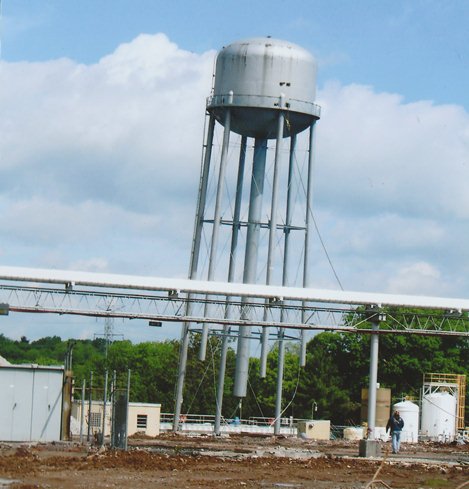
(142, 421)
(95, 420)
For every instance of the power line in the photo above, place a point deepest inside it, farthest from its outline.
(325, 249)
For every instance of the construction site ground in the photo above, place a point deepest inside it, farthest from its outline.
(237, 461)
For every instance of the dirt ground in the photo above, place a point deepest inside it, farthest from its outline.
(174, 461)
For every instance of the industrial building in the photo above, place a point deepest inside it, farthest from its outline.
(34, 407)
(143, 418)
(31, 404)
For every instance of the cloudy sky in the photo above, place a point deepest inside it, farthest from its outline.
(101, 127)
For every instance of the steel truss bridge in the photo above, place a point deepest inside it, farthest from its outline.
(201, 302)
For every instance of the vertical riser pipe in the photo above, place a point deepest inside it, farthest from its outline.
(250, 260)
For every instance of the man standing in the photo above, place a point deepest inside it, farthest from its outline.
(395, 424)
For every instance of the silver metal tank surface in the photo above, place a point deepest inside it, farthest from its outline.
(256, 78)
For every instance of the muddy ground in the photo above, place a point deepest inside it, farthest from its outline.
(173, 461)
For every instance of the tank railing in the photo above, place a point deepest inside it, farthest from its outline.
(223, 99)
(209, 419)
(196, 419)
(269, 421)
(189, 418)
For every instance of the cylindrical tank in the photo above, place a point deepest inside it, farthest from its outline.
(383, 406)
(354, 433)
(409, 412)
(439, 416)
(256, 78)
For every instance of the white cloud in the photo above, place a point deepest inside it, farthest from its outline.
(378, 154)
(417, 278)
(390, 191)
(81, 132)
(102, 157)
(93, 264)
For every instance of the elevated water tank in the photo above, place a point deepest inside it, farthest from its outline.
(439, 416)
(409, 412)
(257, 77)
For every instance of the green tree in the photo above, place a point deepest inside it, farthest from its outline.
(338, 363)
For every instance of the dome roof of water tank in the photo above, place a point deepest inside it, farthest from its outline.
(256, 78)
(405, 406)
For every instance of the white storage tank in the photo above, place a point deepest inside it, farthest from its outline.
(354, 433)
(409, 412)
(439, 416)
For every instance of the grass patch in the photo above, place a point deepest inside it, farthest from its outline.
(436, 483)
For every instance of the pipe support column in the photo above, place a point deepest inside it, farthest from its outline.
(374, 347)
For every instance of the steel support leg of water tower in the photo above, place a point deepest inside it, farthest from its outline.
(289, 214)
(270, 266)
(272, 234)
(231, 276)
(216, 224)
(201, 200)
(193, 267)
(285, 279)
(285, 282)
(308, 230)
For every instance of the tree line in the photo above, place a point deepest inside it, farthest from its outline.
(336, 370)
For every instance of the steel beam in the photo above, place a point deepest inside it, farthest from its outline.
(80, 293)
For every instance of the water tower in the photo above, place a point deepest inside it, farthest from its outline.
(263, 97)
